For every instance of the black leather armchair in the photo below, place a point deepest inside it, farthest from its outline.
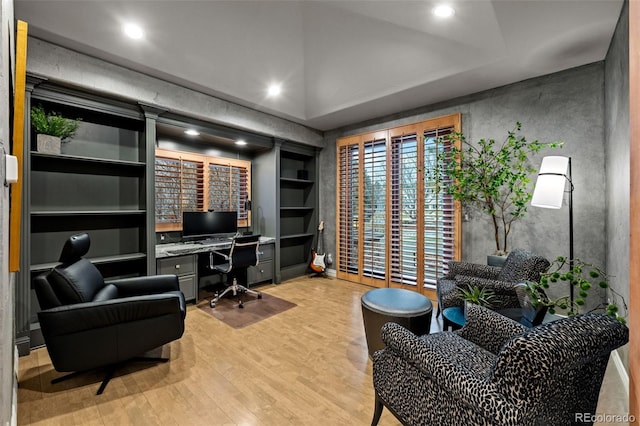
(87, 323)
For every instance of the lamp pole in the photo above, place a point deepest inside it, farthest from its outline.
(570, 231)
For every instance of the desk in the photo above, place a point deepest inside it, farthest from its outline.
(181, 259)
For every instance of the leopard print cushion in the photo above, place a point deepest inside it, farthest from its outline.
(519, 266)
(496, 372)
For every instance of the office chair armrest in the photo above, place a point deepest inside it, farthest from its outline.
(219, 253)
(139, 286)
(81, 317)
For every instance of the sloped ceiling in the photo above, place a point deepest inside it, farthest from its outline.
(339, 62)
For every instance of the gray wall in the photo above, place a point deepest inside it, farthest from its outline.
(8, 383)
(566, 106)
(616, 77)
(93, 74)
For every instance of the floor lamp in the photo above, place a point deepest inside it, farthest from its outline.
(555, 172)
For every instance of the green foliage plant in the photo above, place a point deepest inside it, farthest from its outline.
(53, 124)
(490, 176)
(584, 277)
(479, 295)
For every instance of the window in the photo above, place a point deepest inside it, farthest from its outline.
(392, 228)
(187, 182)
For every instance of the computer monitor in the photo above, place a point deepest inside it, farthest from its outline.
(201, 225)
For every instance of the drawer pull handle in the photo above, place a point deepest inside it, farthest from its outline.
(262, 271)
(177, 266)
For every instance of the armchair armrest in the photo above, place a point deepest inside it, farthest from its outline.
(69, 319)
(472, 269)
(140, 286)
(499, 287)
(488, 329)
(457, 382)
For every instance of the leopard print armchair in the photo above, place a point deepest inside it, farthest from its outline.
(519, 266)
(495, 371)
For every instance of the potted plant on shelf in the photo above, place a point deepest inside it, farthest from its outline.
(583, 277)
(51, 129)
(492, 177)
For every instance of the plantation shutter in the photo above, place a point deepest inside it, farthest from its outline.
(440, 232)
(404, 202)
(191, 182)
(178, 187)
(373, 206)
(392, 229)
(347, 205)
(229, 189)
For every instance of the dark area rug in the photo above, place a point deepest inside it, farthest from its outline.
(254, 310)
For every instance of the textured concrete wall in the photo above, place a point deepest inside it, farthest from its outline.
(93, 74)
(7, 281)
(616, 82)
(566, 106)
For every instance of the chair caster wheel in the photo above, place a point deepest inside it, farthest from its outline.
(212, 304)
(259, 295)
(241, 306)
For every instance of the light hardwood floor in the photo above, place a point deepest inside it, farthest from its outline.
(305, 366)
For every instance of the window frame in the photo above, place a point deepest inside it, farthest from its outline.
(203, 189)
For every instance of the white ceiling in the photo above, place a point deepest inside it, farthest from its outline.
(339, 62)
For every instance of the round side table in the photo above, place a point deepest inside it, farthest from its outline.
(405, 307)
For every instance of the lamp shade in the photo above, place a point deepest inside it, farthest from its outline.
(552, 179)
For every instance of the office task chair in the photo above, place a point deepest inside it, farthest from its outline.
(243, 254)
(87, 323)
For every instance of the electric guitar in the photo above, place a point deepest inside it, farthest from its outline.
(317, 259)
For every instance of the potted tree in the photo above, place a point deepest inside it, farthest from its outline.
(492, 177)
(51, 129)
(584, 277)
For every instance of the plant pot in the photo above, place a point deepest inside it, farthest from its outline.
(495, 260)
(48, 144)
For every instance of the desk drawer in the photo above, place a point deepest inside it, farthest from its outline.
(180, 265)
(267, 252)
(188, 287)
(262, 272)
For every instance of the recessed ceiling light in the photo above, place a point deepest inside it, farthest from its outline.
(241, 142)
(443, 11)
(274, 90)
(192, 132)
(133, 30)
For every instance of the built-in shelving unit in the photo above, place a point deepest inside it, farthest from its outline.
(297, 210)
(96, 184)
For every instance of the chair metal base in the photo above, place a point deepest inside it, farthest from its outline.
(237, 289)
(110, 371)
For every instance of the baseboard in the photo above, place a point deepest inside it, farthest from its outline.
(622, 371)
(14, 399)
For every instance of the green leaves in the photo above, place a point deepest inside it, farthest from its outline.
(52, 123)
(583, 276)
(493, 177)
(478, 295)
